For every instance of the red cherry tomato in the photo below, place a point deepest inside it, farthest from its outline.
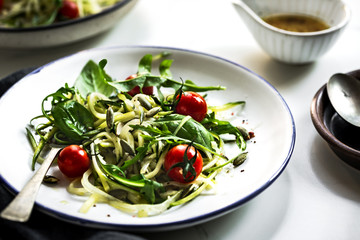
(73, 161)
(69, 9)
(176, 155)
(136, 90)
(192, 104)
(1, 4)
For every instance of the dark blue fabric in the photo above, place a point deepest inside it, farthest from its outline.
(41, 226)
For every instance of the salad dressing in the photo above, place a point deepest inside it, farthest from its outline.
(296, 23)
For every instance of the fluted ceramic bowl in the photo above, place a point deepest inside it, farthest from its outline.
(65, 32)
(294, 47)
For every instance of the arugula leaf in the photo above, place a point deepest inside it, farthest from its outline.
(147, 187)
(153, 131)
(158, 82)
(226, 106)
(93, 78)
(145, 78)
(141, 81)
(61, 95)
(189, 86)
(150, 189)
(219, 127)
(141, 153)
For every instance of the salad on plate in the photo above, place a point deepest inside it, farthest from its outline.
(143, 144)
(33, 13)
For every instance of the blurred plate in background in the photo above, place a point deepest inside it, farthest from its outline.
(65, 32)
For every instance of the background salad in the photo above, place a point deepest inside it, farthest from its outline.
(32, 13)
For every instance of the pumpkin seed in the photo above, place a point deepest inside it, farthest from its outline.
(144, 102)
(50, 179)
(240, 159)
(152, 112)
(244, 132)
(110, 118)
(126, 146)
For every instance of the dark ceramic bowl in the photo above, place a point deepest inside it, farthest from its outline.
(342, 137)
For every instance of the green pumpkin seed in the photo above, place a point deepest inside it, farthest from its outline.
(127, 148)
(152, 112)
(110, 118)
(240, 159)
(144, 102)
(50, 179)
(244, 132)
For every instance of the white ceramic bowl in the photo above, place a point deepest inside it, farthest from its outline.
(294, 47)
(64, 32)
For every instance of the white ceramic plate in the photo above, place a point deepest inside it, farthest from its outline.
(66, 32)
(265, 110)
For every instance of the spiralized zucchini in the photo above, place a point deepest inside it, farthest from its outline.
(129, 137)
(108, 143)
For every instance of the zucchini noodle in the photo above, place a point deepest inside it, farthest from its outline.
(151, 166)
(141, 210)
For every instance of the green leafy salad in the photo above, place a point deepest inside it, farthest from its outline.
(33, 13)
(141, 145)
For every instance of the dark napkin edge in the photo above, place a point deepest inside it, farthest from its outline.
(7, 82)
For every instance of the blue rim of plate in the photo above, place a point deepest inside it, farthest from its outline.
(183, 223)
(68, 22)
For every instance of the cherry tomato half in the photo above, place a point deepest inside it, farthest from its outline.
(69, 9)
(136, 90)
(192, 104)
(73, 161)
(176, 155)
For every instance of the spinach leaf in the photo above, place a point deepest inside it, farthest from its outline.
(190, 130)
(72, 119)
(93, 78)
(164, 68)
(145, 65)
